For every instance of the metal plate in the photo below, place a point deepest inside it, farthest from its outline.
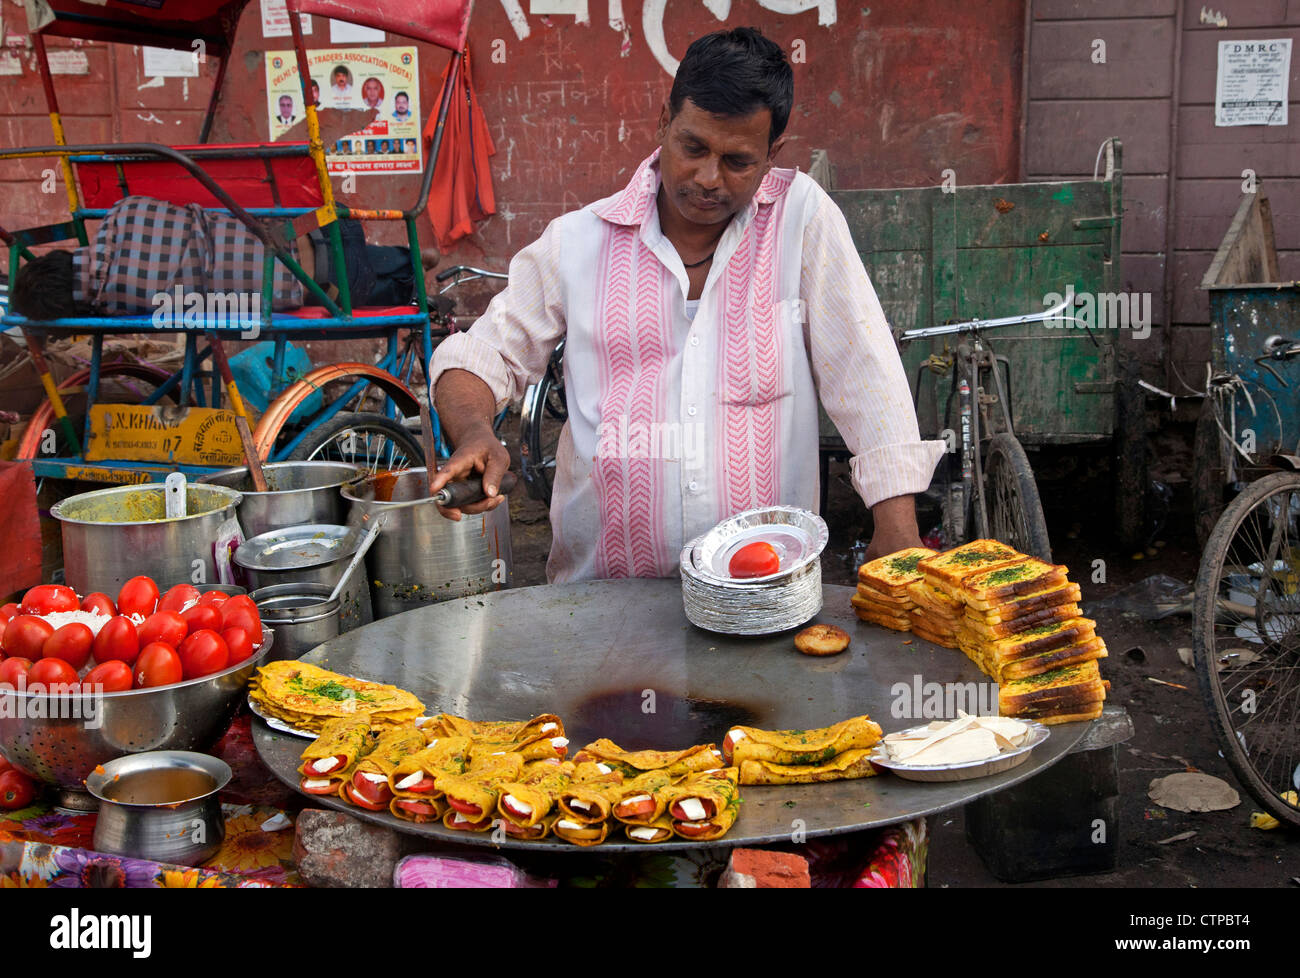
(618, 659)
(297, 547)
(965, 770)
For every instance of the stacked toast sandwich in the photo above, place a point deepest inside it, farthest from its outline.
(883, 597)
(1015, 617)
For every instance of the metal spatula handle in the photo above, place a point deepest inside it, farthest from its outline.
(466, 492)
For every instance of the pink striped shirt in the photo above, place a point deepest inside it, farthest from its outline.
(679, 416)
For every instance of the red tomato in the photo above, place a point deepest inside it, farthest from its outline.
(49, 598)
(158, 665)
(203, 653)
(203, 616)
(118, 639)
(25, 636)
(52, 673)
(16, 790)
(370, 794)
(756, 559)
(177, 597)
(633, 809)
(9, 611)
(330, 787)
(240, 612)
(239, 644)
(99, 602)
(693, 829)
(465, 808)
(3, 626)
(114, 677)
(71, 643)
(214, 598)
(12, 669)
(163, 626)
(676, 810)
(139, 596)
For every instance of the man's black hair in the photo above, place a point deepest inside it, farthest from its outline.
(42, 288)
(736, 72)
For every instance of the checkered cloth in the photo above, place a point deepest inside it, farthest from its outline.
(146, 248)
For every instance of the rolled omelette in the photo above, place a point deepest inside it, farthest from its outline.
(344, 741)
(474, 793)
(645, 789)
(580, 833)
(702, 757)
(414, 808)
(393, 746)
(705, 806)
(457, 822)
(531, 833)
(527, 801)
(800, 746)
(850, 764)
(444, 757)
(590, 801)
(659, 830)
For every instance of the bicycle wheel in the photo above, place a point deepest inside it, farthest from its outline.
(1210, 473)
(1015, 512)
(372, 441)
(1246, 621)
(539, 438)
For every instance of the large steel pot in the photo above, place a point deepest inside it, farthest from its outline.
(301, 614)
(298, 493)
(60, 739)
(422, 557)
(113, 535)
(313, 554)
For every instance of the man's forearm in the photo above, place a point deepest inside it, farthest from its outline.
(464, 402)
(895, 526)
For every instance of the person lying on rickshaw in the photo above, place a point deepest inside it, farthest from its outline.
(144, 249)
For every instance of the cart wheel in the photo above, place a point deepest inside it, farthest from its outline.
(1248, 601)
(1130, 459)
(126, 382)
(372, 441)
(538, 439)
(1011, 496)
(1210, 475)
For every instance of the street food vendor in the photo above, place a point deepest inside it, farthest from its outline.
(705, 307)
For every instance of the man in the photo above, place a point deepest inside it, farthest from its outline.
(704, 307)
(402, 107)
(372, 93)
(286, 118)
(145, 248)
(341, 82)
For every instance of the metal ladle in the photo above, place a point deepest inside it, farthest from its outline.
(357, 557)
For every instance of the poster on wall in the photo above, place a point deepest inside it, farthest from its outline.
(1251, 89)
(386, 79)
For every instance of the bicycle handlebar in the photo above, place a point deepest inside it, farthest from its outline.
(456, 270)
(973, 325)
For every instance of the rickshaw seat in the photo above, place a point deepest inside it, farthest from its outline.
(270, 182)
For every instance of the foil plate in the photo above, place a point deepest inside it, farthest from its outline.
(798, 536)
(297, 547)
(965, 770)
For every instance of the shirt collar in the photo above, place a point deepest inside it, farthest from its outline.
(632, 205)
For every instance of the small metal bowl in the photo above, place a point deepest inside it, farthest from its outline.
(188, 829)
(966, 770)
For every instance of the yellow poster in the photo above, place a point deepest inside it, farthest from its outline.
(383, 80)
(163, 433)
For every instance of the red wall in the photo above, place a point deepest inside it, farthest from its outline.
(896, 92)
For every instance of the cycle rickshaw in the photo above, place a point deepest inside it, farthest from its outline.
(277, 191)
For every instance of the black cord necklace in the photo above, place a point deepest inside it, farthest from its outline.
(707, 257)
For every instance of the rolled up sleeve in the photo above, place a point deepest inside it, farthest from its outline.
(855, 363)
(509, 345)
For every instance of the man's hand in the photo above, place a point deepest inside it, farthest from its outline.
(896, 528)
(465, 404)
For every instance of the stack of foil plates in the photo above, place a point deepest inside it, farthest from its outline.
(760, 605)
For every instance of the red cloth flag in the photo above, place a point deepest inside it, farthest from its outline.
(462, 178)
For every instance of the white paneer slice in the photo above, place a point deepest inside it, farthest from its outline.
(692, 809)
(637, 799)
(604, 769)
(325, 765)
(737, 735)
(315, 783)
(643, 832)
(580, 804)
(559, 742)
(568, 826)
(409, 781)
(516, 806)
(548, 727)
(375, 778)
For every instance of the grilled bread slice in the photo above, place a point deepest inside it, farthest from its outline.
(878, 608)
(885, 621)
(891, 574)
(998, 608)
(947, 570)
(1040, 638)
(880, 597)
(998, 584)
(1066, 685)
(926, 595)
(1036, 665)
(1002, 629)
(1072, 714)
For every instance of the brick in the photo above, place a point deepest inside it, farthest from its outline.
(760, 869)
(332, 849)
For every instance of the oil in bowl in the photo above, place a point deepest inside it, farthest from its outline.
(161, 786)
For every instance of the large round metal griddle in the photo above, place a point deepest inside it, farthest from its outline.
(618, 659)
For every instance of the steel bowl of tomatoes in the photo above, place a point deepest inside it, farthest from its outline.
(84, 679)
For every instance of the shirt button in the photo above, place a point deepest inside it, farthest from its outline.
(695, 341)
(694, 487)
(691, 410)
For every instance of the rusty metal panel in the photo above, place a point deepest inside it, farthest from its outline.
(1063, 137)
(1144, 213)
(1085, 9)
